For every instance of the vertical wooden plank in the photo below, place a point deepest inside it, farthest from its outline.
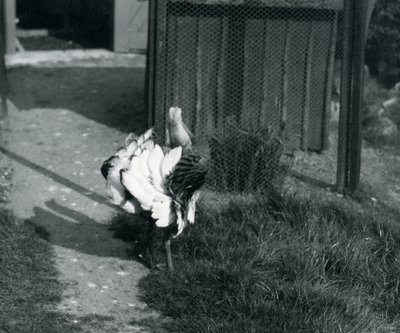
(221, 72)
(185, 93)
(199, 82)
(235, 62)
(285, 75)
(10, 28)
(273, 67)
(306, 108)
(298, 43)
(3, 71)
(172, 63)
(209, 43)
(252, 74)
(321, 52)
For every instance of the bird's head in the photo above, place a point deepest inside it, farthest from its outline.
(175, 114)
(108, 165)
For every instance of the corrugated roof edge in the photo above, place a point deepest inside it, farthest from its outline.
(319, 4)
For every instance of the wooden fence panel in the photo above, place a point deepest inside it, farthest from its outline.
(251, 67)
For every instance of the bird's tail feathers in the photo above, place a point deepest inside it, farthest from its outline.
(163, 214)
(181, 220)
(149, 134)
(191, 207)
(131, 206)
(153, 163)
(170, 160)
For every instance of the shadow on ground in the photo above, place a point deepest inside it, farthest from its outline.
(62, 226)
(111, 96)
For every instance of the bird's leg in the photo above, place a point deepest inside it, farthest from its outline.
(169, 258)
(150, 244)
(167, 243)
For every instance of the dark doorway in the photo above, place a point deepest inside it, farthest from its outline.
(66, 23)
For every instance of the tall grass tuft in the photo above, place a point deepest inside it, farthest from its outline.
(247, 161)
(282, 264)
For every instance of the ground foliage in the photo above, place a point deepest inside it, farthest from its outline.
(282, 264)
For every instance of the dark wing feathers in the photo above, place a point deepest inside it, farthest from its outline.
(186, 178)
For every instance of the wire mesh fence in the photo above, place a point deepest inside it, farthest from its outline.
(258, 83)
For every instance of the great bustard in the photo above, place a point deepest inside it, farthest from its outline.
(161, 184)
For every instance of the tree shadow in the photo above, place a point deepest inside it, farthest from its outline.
(56, 177)
(114, 96)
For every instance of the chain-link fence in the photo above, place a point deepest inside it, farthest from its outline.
(259, 85)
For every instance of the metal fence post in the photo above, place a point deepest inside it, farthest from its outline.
(349, 149)
(3, 71)
(150, 63)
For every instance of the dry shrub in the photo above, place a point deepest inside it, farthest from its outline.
(247, 161)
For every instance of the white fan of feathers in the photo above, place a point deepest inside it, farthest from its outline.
(140, 168)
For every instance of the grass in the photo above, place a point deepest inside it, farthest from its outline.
(246, 161)
(282, 264)
(29, 289)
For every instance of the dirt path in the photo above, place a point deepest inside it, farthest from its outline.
(56, 153)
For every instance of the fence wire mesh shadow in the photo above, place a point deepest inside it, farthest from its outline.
(258, 83)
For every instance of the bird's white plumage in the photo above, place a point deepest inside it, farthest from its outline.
(121, 160)
(141, 168)
(191, 210)
(140, 186)
(181, 220)
(144, 179)
(153, 163)
(143, 163)
(163, 213)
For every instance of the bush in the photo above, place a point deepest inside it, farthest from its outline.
(383, 43)
(247, 161)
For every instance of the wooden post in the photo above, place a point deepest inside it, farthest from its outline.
(329, 84)
(10, 36)
(130, 25)
(150, 60)
(3, 71)
(360, 17)
(157, 57)
(349, 149)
